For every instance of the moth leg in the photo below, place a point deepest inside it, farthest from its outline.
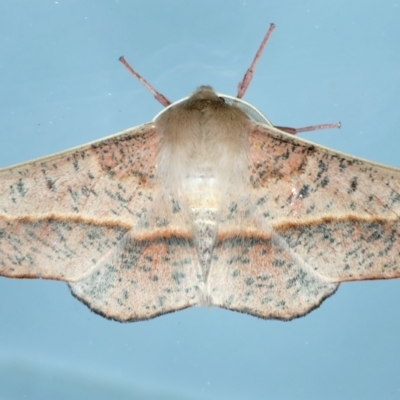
(295, 131)
(245, 82)
(158, 96)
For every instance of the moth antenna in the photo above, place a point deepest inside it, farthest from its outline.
(245, 82)
(294, 131)
(158, 96)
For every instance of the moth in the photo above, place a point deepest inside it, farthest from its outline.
(208, 204)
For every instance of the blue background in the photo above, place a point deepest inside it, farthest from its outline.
(62, 86)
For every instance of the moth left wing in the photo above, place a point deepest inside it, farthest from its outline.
(312, 218)
(97, 217)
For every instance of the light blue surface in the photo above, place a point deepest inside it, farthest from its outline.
(61, 86)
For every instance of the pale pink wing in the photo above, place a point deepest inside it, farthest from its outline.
(312, 218)
(97, 218)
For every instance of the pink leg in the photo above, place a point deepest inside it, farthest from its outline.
(162, 99)
(294, 131)
(243, 85)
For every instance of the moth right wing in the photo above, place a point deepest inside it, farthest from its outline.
(311, 218)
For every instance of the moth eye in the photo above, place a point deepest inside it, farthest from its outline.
(221, 99)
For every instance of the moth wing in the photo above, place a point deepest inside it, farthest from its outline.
(142, 277)
(312, 218)
(85, 216)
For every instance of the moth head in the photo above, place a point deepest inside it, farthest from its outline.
(206, 92)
